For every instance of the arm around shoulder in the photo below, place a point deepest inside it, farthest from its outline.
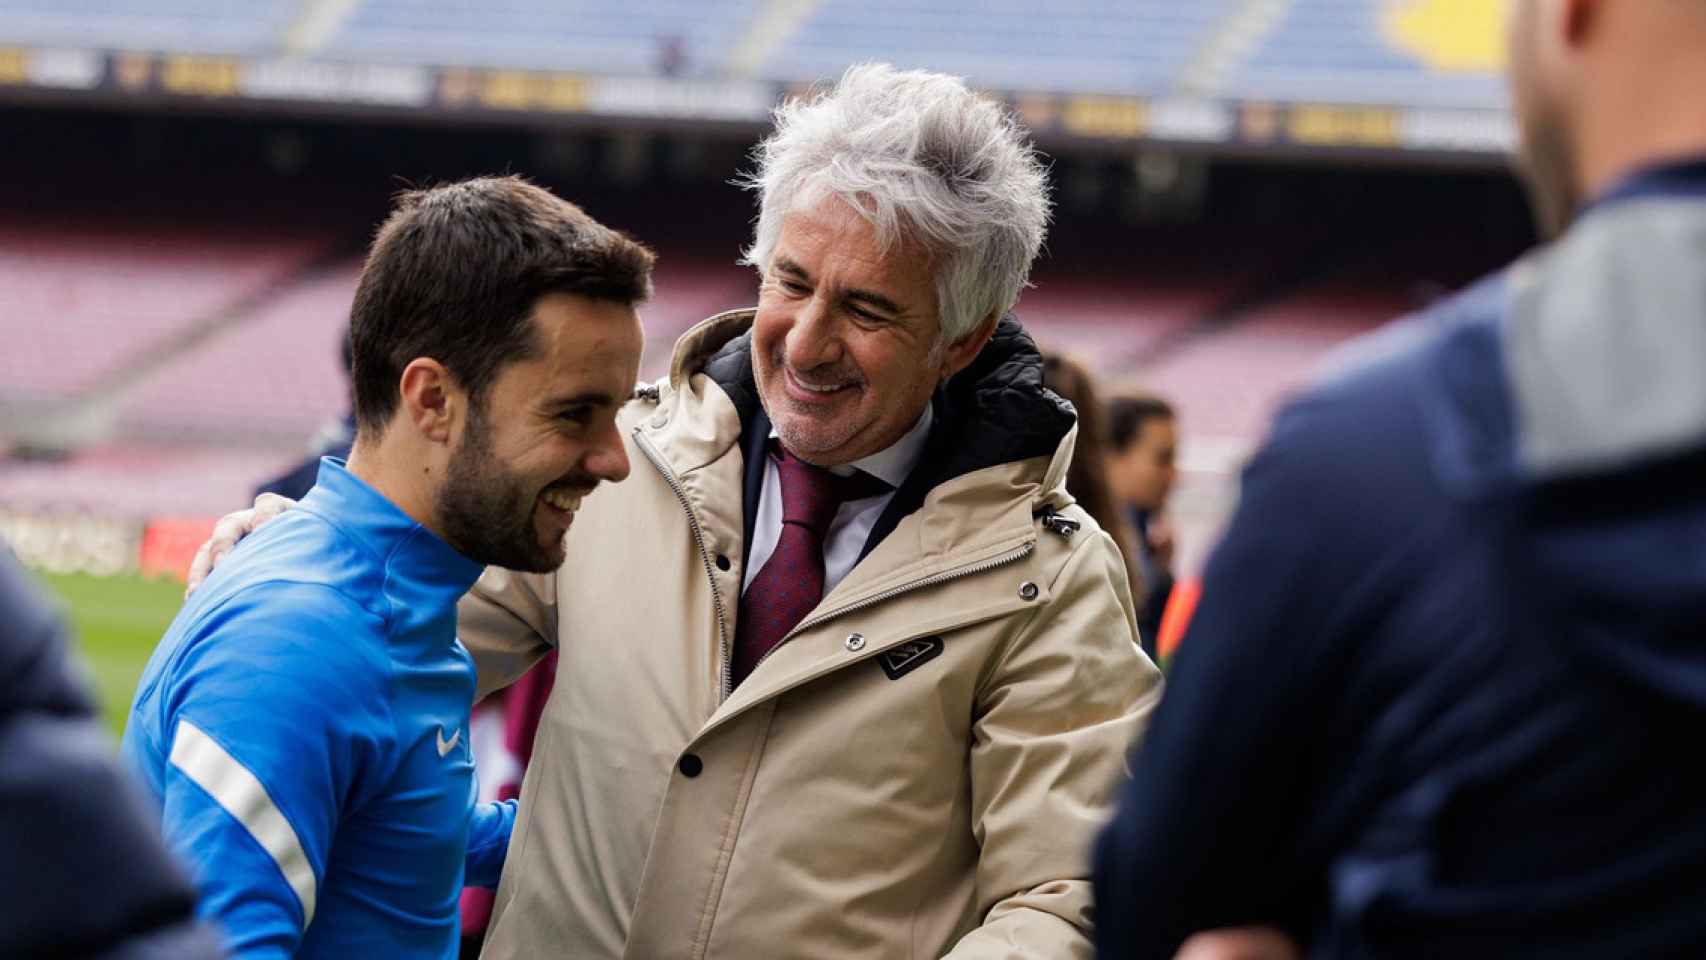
(508, 622)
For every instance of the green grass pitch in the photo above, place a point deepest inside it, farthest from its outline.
(116, 621)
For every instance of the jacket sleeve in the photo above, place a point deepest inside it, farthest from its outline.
(1208, 830)
(489, 827)
(86, 874)
(508, 622)
(259, 774)
(1055, 719)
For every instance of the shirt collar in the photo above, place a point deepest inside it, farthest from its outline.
(894, 463)
(409, 551)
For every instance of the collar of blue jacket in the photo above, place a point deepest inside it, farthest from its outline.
(1675, 178)
(420, 567)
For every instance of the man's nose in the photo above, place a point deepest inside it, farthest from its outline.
(608, 458)
(813, 341)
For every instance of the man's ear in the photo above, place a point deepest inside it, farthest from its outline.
(432, 401)
(963, 351)
(1578, 18)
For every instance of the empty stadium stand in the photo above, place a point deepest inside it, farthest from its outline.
(83, 299)
(252, 27)
(1081, 46)
(273, 377)
(1439, 53)
(634, 37)
(140, 481)
(1392, 52)
(1228, 381)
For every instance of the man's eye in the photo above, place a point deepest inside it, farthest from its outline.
(577, 417)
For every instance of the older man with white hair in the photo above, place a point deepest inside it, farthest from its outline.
(844, 671)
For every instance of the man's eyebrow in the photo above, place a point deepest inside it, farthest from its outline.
(588, 399)
(876, 300)
(870, 297)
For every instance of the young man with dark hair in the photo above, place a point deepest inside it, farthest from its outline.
(1143, 431)
(303, 724)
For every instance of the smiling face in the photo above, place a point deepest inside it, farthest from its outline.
(543, 436)
(846, 346)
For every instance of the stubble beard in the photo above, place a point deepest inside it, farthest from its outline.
(487, 514)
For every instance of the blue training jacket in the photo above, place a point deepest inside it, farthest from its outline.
(304, 728)
(1444, 691)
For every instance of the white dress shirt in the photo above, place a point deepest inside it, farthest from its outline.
(855, 518)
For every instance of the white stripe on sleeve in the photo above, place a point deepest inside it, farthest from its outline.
(233, 787)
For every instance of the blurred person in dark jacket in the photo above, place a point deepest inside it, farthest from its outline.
(85, 873)
(1087, 477)
(1143, 434)
(333, 439)
(1436, 700)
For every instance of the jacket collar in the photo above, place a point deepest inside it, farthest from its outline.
(1675, 179)
(996, 454)
(422, 570)
(1606, 330)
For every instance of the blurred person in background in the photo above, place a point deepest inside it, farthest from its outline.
(85, 873)
(1144, 437)
(842, 670)
(303, 725)
(333, 439)
(1087, 479)
(1443, 692)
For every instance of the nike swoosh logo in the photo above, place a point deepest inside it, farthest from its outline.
(445, 746)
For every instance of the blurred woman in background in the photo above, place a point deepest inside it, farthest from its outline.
(1087, 477)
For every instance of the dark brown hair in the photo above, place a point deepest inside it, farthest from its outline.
(455, 272)
(1128, 412)
(1087, 477)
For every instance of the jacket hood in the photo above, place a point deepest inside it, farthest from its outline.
(1576, 418)
(995, 411)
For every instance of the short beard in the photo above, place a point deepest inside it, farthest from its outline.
(485, 512)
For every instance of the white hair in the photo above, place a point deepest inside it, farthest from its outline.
(920, 156)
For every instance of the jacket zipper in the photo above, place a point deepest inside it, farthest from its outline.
(984, 566)
(704, 554)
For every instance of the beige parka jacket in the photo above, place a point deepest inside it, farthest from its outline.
(916, 771)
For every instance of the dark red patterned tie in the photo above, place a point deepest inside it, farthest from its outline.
(791, 582)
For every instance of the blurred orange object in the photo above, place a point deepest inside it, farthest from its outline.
(170, 543)
(1177, 616)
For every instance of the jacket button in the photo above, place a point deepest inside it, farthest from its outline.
(723, 562)
(691, 765)
(856, 642)
(661, 420)
(1028, 591)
